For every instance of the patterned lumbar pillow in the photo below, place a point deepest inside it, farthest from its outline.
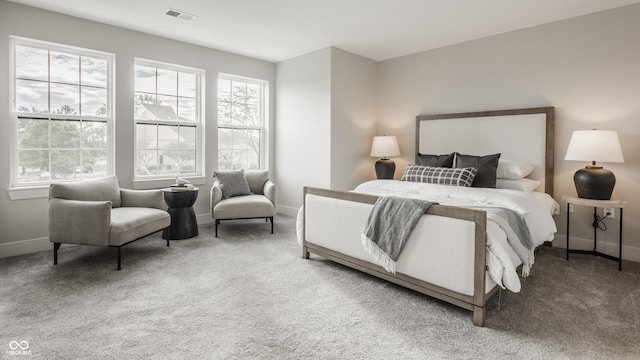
(232, 183)
(440, 175)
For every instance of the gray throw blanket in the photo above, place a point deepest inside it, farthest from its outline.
(389, 226)
(517, 233)
(517, 226)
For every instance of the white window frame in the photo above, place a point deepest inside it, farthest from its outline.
(264, 113)
(199, 124)
(27, 190)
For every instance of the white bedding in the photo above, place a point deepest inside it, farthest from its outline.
(503, 255)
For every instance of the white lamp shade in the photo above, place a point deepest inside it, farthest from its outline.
(385, 146)
(594, 145)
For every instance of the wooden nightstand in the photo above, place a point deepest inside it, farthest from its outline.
(615, 204)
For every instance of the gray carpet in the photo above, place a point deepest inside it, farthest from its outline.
(250, 295)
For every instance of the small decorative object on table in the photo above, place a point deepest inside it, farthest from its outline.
(182, 185)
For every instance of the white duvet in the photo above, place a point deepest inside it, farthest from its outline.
(504, 254)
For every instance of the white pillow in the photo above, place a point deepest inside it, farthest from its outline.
(526, 185)
(512, 170)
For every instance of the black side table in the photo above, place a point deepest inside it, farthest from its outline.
(183, 219)
(613, 204)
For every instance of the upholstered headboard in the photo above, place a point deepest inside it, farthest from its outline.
(525, 135)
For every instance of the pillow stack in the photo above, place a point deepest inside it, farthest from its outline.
(513, 175)
(488, 171)
(486, 166)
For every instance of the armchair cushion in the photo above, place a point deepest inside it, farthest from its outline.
(256, 180)
(232, 183)
(143, 198)
(105, 189)
(249, 206)
(131, 223)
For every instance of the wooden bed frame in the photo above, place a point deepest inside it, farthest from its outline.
(478, 300)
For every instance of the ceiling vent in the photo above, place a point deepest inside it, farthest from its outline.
(179, 14)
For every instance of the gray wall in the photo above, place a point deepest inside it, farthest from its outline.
(353, 118)
(24, 223)
(587, 67)
(326, 106)
(303, 130)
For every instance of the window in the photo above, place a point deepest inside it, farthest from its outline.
(241, 123)
(168, 119)
(62, 113)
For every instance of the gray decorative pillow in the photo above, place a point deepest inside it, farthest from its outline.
(444, 160)
(487, 167)
(439, 175)
(232, 183)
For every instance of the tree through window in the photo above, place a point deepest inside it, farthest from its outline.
(241, 119)
(167, 115)
(62, 112)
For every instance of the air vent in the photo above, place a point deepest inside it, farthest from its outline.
(179, 14)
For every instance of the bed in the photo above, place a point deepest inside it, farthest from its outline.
(460, 251)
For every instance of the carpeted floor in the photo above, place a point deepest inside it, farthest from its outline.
(249, 295)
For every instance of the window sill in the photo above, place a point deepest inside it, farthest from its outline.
(24, 193)
(163, 183)
(41, 192)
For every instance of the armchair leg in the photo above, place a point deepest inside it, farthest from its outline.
(271, 218)
(119, 259)
(217, 222)
(56, 246)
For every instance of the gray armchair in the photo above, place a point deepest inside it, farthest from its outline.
(98, 212)
(231, 199)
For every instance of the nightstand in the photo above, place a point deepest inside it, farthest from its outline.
(615, 204)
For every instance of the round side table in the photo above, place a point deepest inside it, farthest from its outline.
(183, 219)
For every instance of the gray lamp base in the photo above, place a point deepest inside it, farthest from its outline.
(594, 182)
(385, 169)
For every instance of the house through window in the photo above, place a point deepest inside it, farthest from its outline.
(62, 113)
(168, 119)
(241, 123)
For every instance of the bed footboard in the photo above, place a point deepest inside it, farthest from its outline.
(475, 302)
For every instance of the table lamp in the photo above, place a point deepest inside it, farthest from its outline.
(384, 147)
(594, 182)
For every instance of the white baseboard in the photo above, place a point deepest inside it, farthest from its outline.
(25, 247)
(204, 218)
(288, 210)
(630, 253)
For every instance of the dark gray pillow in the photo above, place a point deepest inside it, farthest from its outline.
(486, 165)
(232, 183)
(444, 160)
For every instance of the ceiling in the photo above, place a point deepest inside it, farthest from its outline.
(276, 30)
